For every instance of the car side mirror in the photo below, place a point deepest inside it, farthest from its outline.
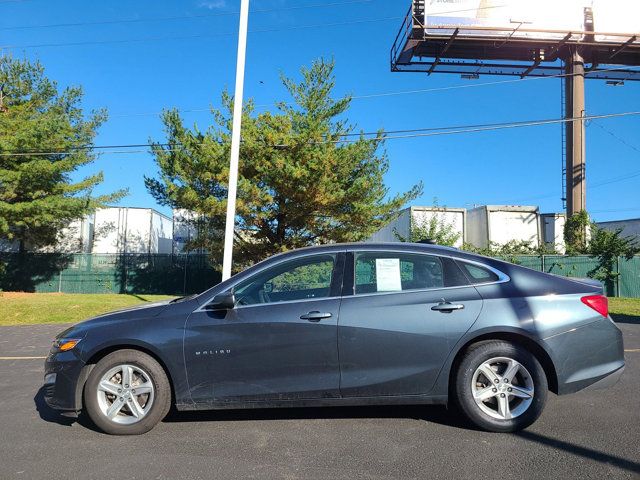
(223, 301)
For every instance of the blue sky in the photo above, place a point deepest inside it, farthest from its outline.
(137, 68)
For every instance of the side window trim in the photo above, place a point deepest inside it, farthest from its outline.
(349, 280)
(336, 281)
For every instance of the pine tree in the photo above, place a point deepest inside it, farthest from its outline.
(304, 178)
(37, 195)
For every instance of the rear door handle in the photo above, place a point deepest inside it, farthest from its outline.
(315, 316)
(447, 307)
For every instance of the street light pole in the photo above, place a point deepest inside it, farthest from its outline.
(235, 143)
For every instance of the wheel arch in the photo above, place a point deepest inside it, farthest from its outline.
(514, 337)
(101, 352)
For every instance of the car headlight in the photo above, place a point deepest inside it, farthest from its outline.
(64, 344)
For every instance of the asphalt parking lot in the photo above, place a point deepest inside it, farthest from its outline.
(586, 435)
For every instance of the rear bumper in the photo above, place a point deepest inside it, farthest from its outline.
(608, 381)
(64, 378)
(589, 356)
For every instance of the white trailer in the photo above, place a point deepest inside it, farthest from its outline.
(415, 216)
(184, 229)
(498, 225)
(553, 230)
(132, 230)
(77, 237)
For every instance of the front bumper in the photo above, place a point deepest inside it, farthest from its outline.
(588, 356)
(65, 375)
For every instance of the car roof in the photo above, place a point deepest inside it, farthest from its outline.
(391, 246)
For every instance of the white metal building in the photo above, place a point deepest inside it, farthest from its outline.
(501, 224)
(132, 230)
(76, 238)
(630, 228)
(185, 229)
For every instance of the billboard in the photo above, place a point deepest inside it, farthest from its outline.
(615, 21)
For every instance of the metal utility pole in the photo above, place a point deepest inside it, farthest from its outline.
(235, 143)
(575, 130)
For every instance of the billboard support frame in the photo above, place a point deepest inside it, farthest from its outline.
(421, 47)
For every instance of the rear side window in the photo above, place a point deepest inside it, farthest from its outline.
(397, 272)
(477, 274)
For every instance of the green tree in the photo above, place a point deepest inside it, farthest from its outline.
(576, 236)
(304, 177)
(37, 195)
(608, 245)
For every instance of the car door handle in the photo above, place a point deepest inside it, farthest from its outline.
(315, 316)
(447, 307)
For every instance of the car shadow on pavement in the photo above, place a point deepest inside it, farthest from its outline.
(50, 415)
(433, 414)
(630, 319)
(578, 450)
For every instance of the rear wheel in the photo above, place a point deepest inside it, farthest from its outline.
(500, 386)
(127, 393)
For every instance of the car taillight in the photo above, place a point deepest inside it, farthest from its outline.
(599, 303)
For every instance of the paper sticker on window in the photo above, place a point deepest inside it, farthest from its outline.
(388, 275)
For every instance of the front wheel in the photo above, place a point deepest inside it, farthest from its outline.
(500, 386)
(127, 393)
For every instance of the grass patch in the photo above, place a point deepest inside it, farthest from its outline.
(625, 306)
(38, 308)
(625, 310)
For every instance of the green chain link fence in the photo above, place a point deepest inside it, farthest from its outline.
(186, 274)
(101, 273)
(626, 283)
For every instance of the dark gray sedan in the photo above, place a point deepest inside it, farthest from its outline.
(346, 325)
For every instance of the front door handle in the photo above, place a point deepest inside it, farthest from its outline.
(447, 307)
(315, 316)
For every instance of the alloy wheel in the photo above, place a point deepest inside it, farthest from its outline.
(125, 394)
(502, 388)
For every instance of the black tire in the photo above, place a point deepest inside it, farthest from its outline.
(477, 355)
(157, 376)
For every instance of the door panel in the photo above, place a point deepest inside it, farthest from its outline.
(278, 343)
(393, 343)
(263, 352)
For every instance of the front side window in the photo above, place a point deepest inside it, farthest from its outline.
(396, 272)
(305, 278)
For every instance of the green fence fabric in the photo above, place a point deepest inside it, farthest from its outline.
(629, 279)
(99, 273)
(187, 274)
(584, 267)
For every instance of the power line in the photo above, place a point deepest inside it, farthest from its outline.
(491, 127)
(637, 209)
(392, 93)
(213, 15)
(621, 140)
(182, 17)
(610, 181)
(202, 35)
(617, 179)
(389, 135)
(105, 42)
